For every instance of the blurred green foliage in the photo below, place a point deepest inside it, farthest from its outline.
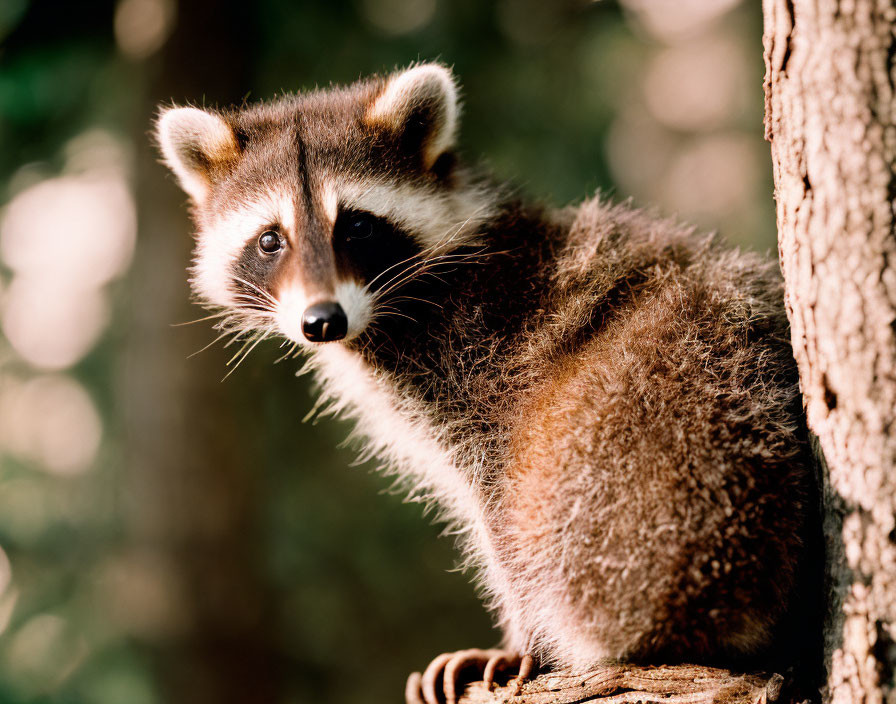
(349, 588)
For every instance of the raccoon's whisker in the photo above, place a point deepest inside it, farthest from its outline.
(397, 314)
(441, 264)
(395, 284)
(255, 303)
(293, 351)
(407, 276)
(387, 309)
(246, 307)
(255, 342)
(226, 323)
(457, 229)
(468, 258)
(264, 294)
(478, 254)
(251, 296)
(219, 314)
(210, 344)
(253, 287)
(419, 275)
(308, 366)
(381, 312)
(239, 337)
(290, 351)
(244, 320)
(454, 230)
(396, 299)
(424, 258)
(390, 268)
(373, 328)
(240, 332)
(411, 272)
(397, 280)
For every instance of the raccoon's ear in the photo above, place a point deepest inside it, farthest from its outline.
(420, 105)
(197, 145)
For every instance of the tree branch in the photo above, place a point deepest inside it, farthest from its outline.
(609, 684)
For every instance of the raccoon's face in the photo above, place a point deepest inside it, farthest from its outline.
(312, 210)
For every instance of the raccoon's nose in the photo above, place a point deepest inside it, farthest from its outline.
(324, 322)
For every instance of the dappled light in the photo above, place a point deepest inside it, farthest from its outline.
(677, 20)
(44, 652)
(142, 26)
(50, 421)
(715, 174)
(398, 16)
(168, 537)
(78, 230)
(50, 323)
(698, 86)
(63, 239)
(683, 137)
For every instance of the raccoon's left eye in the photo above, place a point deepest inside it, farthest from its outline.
(361, 227)
(269, 242)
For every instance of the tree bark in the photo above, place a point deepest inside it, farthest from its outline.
(614, 684)
(830, 119)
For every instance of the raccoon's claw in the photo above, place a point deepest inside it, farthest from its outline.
(504, 661)
(413, 689)
(431, 676)
(444, 673)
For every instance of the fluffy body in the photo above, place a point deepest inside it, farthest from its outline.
(610, 417)
(603, 404)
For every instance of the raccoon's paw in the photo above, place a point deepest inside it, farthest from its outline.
(444, 673)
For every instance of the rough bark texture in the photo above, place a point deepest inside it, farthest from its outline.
(830, 120)
(613, 684)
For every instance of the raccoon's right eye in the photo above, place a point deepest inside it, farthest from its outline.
(269, 242)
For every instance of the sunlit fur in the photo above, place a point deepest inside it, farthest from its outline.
(602, 405)
(439, 219)
(404, 91)
(224, 235)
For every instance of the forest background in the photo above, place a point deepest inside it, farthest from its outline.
(168, 537)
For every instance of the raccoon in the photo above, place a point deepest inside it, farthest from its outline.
(603, 404)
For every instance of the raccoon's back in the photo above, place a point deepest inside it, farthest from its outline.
(655, 496)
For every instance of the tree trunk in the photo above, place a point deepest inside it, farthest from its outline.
(190, 486)
(830, 120)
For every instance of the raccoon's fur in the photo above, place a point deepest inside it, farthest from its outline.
(604, 404)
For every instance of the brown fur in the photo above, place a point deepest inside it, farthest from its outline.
(604, 403)
(667, 448)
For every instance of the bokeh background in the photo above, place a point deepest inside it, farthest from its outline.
(167, 537)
